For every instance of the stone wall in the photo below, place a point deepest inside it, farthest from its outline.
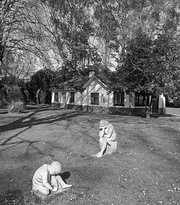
(127, 111)
(74, 107)
(106, 110)
(162, 111)
(121, 111)
(95, 109)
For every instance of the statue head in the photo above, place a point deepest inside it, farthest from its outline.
(103, 124)
(55, 168)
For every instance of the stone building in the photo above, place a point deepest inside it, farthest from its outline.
(95, 96)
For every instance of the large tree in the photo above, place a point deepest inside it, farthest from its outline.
(40, 83)
(117, 21)
(59, 34)
(151, 66)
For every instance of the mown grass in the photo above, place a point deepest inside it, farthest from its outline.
(145, 169)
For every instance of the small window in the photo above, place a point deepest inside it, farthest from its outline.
(103, 99)
(118, 98)
(95, 98)
(72, 97)
(56, 97)
(141, 99)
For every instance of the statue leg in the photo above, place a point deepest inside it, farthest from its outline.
(41, 192)
(61, 183)
(103, 145)
(111, 147)
(101, 141)
(54, 183)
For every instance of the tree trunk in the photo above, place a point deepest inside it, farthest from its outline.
(147, 111)
(38, 96)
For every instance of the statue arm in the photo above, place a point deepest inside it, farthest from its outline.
(101, 132)
(45, 181)
(110, 132)
(111, 135)
(103, 146)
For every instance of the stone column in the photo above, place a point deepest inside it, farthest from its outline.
(162, 105)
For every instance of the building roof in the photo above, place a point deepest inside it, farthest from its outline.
(79, 83)
(74, 84)
(94, 78)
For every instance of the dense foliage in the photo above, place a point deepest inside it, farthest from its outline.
(150, 65)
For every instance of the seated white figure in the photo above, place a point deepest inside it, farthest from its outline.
(46, 180)
(107, 139)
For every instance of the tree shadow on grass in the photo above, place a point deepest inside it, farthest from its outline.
(32, 149)
(3, 111)
(28, 122)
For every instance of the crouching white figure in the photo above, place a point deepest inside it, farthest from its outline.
(107, 139)
(47, 180)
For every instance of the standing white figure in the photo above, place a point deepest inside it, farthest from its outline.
(47, 179)
(107, 139)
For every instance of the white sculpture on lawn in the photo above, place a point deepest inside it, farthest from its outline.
(47, 180)
(107, 139)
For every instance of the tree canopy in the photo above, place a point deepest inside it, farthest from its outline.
(150, 65)
(137, 38)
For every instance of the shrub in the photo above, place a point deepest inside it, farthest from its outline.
(3, 101)
(15, 106)
(14, 94)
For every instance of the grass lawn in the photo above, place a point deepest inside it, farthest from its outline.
(145, 170)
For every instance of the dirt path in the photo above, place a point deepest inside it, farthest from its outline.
(144, 171)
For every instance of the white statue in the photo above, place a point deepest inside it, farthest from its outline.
(107, 139)
(47, 180)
